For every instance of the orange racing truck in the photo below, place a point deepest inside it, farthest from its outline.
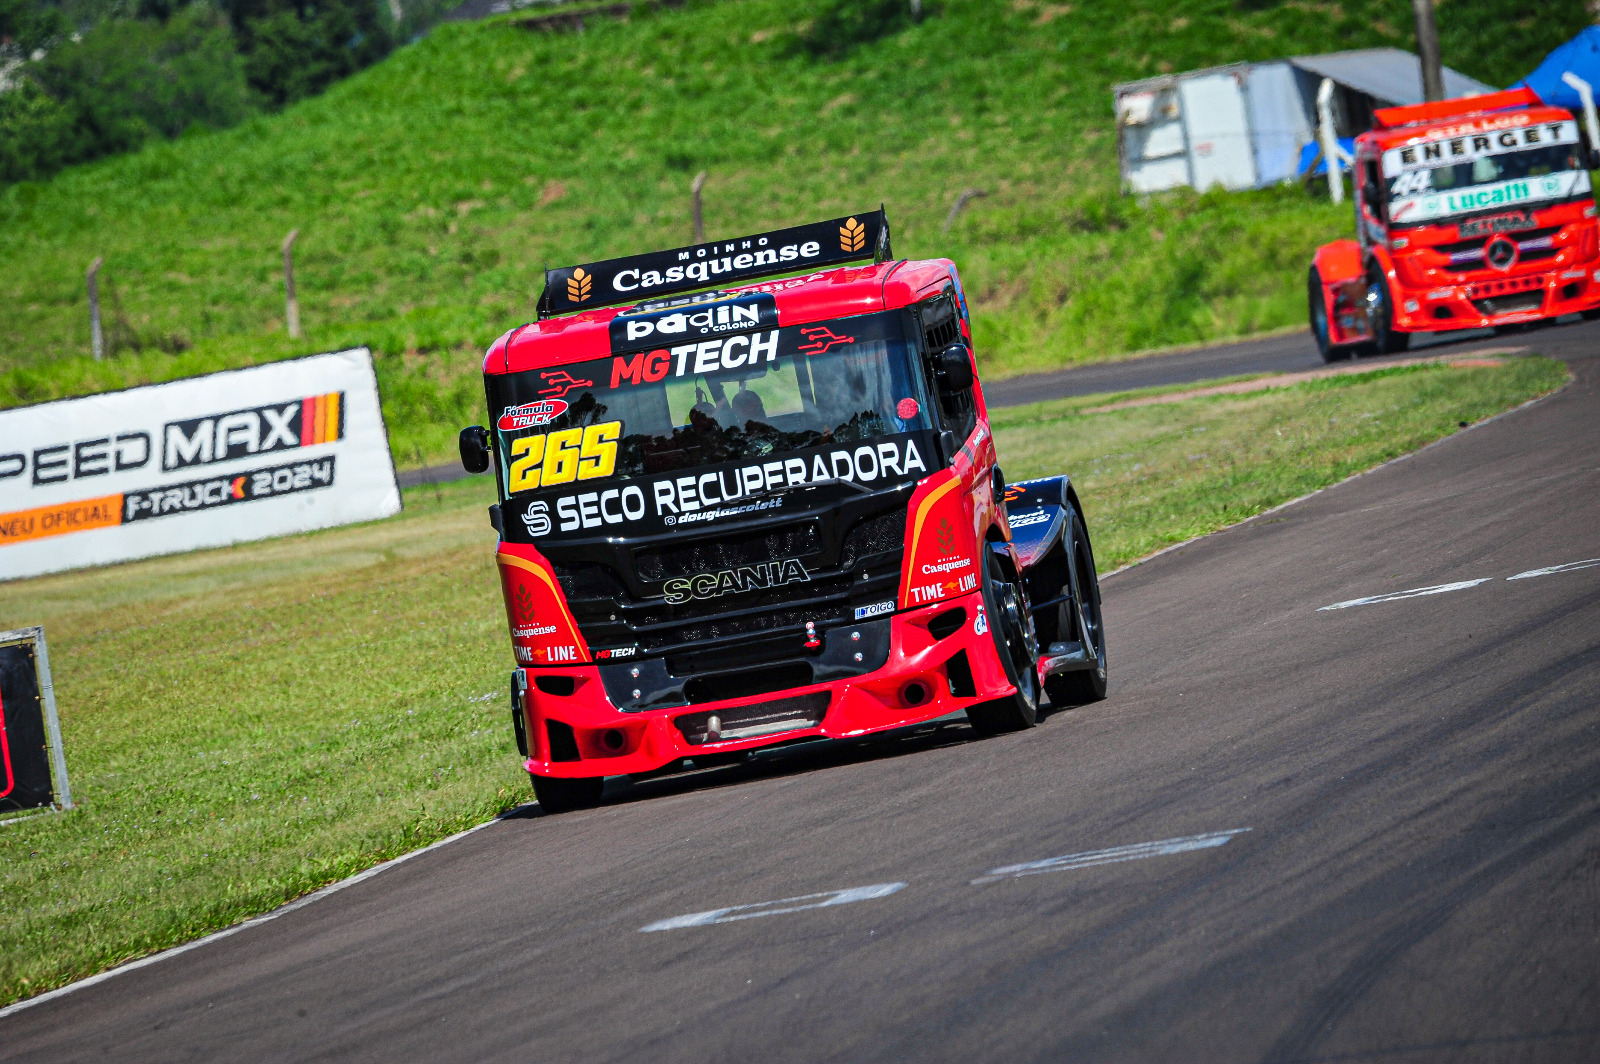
(1470, 213)
(743, 505)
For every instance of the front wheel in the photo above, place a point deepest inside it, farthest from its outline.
(1320, 330)
(1086, 685)
(558, 795)
(1005, 607)
(1380, 306)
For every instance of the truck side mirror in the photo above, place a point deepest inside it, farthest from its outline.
(954, 366)
(474, 443)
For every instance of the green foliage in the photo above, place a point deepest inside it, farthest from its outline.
(297, 49)
(26, 24)
(839, 25)
(129, 81)
(36, 132)
(126, 82)
(1501, 41)
(174, 67)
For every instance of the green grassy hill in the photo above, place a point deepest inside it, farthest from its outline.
(430, 190)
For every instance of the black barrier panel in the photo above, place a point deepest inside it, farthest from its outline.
(24, 757)
(639, 278)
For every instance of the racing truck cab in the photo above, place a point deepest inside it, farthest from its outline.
(766, 512)
(1470, 213)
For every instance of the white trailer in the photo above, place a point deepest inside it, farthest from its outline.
(1244, 125)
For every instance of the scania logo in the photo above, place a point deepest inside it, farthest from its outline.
(1501, 253)
(735, 581)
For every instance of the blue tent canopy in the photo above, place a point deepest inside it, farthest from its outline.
(1581, 55)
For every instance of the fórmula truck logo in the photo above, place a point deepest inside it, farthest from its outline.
(531, 415)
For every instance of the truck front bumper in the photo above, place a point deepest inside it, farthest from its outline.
(1509, 300)
(583, 734)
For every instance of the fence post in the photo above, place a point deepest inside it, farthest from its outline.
(292, 305)
(694, 207)
(960, 205)
(1329, 135)
(97, 338)
(1428, 50)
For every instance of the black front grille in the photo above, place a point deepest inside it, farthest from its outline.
(728, 552)
(747, 722)
(942, 335)
(1479, 244)
(614, 607)
(1507, 304)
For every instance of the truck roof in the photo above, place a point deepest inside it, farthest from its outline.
(817, 296)
(1395, 126)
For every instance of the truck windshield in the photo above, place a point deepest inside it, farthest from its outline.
(756, 412)
(1487, 182)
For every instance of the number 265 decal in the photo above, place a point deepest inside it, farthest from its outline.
(564, 456)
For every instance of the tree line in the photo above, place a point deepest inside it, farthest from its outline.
(84, 78)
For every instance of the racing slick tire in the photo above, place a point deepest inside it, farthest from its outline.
(565, 795)
(1086, 685)
(1318, 308)
(1384, 338)
(1005, 605)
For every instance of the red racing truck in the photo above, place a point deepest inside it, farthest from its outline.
(766, 512)
(1470, 213)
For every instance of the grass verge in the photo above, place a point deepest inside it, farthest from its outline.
(1152, 476)
(248, 724)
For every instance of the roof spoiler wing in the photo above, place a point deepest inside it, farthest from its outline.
(637, 277)
(1391, 117)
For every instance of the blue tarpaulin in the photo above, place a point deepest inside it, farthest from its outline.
(1311, 157)
(1581, 56)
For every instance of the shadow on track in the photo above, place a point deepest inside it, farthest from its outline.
(803, 756)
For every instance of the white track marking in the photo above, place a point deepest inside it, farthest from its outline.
(284, 910)
(1090, 858)
(1416, 592)
(1547, 570)
(776, 908)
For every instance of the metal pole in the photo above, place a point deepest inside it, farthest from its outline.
(1330, 139)
(1590, 122)
(52, 723)
(694, 207)
(97, 338)
(1428, 50)
(292, 309)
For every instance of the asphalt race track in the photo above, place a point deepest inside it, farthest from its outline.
(1378, 829)
(1288, 353)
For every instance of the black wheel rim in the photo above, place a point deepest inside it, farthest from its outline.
(1378, 295)
(1089, 604)
(1016, 634)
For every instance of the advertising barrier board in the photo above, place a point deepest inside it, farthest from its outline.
(33, 769)
(239, 455)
